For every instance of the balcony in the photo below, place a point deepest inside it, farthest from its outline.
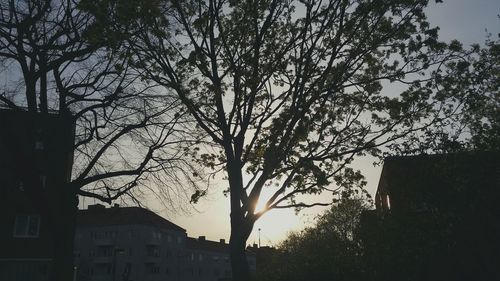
(104, 241)
(152, 259)
(102, 259)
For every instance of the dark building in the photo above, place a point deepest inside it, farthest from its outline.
(207, 260)
(264, 257)
(37, 207)
(132, 243)
(129, 243)
(436, 218)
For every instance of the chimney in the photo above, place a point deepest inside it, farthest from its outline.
(96, 207)
(201, 238)
(222, 241)
(116, 205)
(255, 245)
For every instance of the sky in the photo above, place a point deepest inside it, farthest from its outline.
(464, 20)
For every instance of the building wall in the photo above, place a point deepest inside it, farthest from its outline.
(442, 222)
(35, 165)
(140, 252)
(146, 252)
(206, 265)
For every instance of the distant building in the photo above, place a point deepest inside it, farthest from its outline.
(437, 217)
(135, 244)
(264, 256)
(127, 244)
(207, 260)
(36, 157)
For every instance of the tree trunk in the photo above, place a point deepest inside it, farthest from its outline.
(237, 246)
(240, 227)
(43, 85)
(31, 95)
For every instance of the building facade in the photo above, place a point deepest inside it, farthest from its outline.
(37, 207)
(436, 218)
(135, 244)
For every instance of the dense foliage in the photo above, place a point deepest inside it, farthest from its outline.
(474, 83)
(329, 250)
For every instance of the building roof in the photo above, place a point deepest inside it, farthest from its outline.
(98, 215)
(201, 244)
(441, 180)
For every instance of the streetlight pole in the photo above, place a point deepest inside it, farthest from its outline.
(74, 272)
(259, 237)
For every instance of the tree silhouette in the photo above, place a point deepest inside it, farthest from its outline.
(330, 249)
(289, 93)
(125, 130)
(473, 83)
(127, 134)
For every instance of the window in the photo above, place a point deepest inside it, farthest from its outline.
(127, 271)
(110, 234)
(38, 141)
(27, 226)
(156, 235)
(39, 145)
(103, 269)
(152, 251)
(43, 181)
(152, 268)
(104, 251)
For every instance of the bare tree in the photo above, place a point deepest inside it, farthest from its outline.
(290, 93)
(129, 136)
(48, 50)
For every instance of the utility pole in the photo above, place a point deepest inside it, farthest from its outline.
(259, 237)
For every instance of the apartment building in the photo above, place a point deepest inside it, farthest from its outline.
(129, 243)
(135, 244)
(36, 156)
(436, 218)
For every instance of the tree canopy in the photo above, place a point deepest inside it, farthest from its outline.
(328, 250)
(288, 93)
(473, 84)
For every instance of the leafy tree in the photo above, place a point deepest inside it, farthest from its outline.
(473, 83)
(127, 134)
(329, 250)
(287, 94)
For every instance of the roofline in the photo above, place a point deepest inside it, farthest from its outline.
(102, 210)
